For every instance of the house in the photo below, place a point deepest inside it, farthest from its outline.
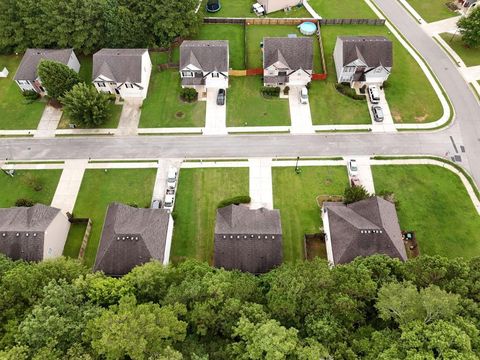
(363, 59)
(33, 233)
(287, 61)
(276, 5)
(133, 236)
(26, 76)
(364, 228)
(123, 72)
(248, 240)
(204, 65)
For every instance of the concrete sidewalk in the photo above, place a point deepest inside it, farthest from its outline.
(216, 115)
(49, 122)
(446, 25)
(260, 183)
(129, 118)
(300, 116)
(69, 185)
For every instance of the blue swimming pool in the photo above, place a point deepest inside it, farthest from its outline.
(307, 28)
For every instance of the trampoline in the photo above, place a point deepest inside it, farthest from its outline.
(213, 6)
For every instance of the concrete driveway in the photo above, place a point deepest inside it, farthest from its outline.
(130, 117)
(364, 172)
(387, 125)
(300, 116)
(216, 115)
(49, 122)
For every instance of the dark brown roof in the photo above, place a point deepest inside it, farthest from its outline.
(22, 231)
(239, 219)
(27, 70)
(130, 237)
(208, 55)
(296, 53)
(119, 65)
(364, 228)
(374, 51)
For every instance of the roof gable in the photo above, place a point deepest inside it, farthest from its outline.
(296, 53)
(27, 70)
(239, 219)
(373, 51)
(211, 55)
(119, 65)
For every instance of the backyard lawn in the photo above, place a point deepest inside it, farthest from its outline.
(243, 8)
(199, 192)
(432, 10)
(74, 240)
(86, 64)
(255, 35)
(352, 9)
(295, 196)
(15, 112)
(470, 56)
(111, 123)
(98, 190)
(434, 204)
(163, 106)
(24, 183)
(235, 34)
(247, 107)
(406, 105)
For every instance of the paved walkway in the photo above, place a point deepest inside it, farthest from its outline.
(364, 173)
(161, 178)
(49, 122)
(129, 118)
(260, 181)
(69, 185)
(300, 116)
(446, 25)
(471, 74)
(216, 115)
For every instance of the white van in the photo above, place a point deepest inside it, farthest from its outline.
(172, 178)
(374, 94)
(169, 202)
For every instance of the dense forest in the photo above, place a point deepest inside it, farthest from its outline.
(372, 308)
(88, 25)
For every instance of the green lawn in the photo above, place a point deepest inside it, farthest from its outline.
(23, 185)
(15, 112)
(74, 240)
(235, 34)
(255, 35)
(98, 190)
(199, 192)
(410, 96)
(432, 10)
(470, 56)
(111, 123)
(295, 196)
(352, 9)
(247, 107)
(243, 8)
(163, 107)
(85, 72)
(434, 204)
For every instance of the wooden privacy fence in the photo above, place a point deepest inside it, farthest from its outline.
(86, 236)
(237, 72)
(251, 72)
(292, 21)
(351, 21)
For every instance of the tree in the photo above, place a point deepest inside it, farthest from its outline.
(354, 193)
(85, 105)
(469, 27)
(57, 78)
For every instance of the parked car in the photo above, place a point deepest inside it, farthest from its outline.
(169, 201)
(374, 94)
(156, 204)
(377, 113)
(221, 97)
(352, 168)
(172, 177)
(304, 95)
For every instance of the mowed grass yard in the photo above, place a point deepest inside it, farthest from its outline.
(409, 93)
(295, 196)
(352, 9)
(470, 56)
(198, 194)
(163, 106)
(15, 112)
(98, 190)
(243, 8)
(247, 107)
(22, 186)
(435, 204)
(432, 10)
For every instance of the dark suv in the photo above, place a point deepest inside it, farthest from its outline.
(221, 97)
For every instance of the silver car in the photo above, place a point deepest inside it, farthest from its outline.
(377, 113)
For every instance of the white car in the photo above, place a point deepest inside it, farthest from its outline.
(304, 95)
(374, 94)
(172, 178)
(352, 168)
(169, 202)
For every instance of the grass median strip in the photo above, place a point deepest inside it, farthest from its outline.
(469, 55)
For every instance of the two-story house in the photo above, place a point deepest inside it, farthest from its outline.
(287, 61)
(204, 65)
(363, 59)
(123, 72)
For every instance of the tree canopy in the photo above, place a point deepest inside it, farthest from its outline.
(469, 27)
(57, 78)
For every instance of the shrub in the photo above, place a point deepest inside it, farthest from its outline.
(57, 78)
(390, 196)
(346, 90)
(309, 85)
(30, 95)
(189, 94)
(286, 90)
(354, 194)
(33, 182)
(132, 204)
(24, 202)
(269, 91)
(236, 200)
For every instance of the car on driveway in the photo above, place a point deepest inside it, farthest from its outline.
(374, 94)
(377, 113)
(304, 95)
(221, 97)
(156, 204)
(172, 178)
(169, 202)
(352, 167)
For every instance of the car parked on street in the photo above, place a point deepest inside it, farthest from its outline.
(377, 113)
(352, 167)
(304, 95)
(374, 94)
(221, 97)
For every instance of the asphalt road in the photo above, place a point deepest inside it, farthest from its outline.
(464, 132)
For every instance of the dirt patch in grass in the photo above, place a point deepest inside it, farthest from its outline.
(421, 118)
(179, 114)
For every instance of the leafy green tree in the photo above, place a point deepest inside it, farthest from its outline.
(354, 193)
(57, 78)
(469, 27)
(103, 290)
(85, 105)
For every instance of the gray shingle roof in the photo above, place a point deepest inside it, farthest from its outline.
(119, 65)
(239, 219)
(27, 70)
(373, 50)
(130, 237)
(207, 55)
(364, 228)
(297, 53)
(22, 231)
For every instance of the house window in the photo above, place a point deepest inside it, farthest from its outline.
(282, 73)
(101, 84)
(22, 82)
(129, 86)
(215, 75)
(188, 74)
